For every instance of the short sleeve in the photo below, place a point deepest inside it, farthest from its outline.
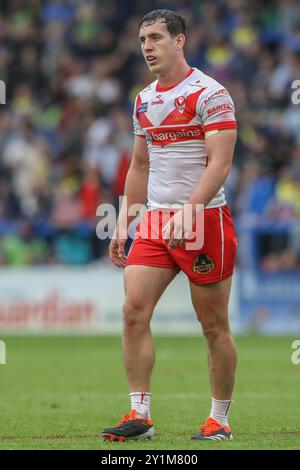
(217, 110)
(137, 129)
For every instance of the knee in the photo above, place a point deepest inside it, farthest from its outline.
(213, 330)
(134, 315)
(210, 331)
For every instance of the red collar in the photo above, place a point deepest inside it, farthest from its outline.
(159, 88)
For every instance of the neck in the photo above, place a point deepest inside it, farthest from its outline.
(174, 75)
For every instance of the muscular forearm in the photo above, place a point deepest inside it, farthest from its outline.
(135, 191)
(210, 183)
(220, 151)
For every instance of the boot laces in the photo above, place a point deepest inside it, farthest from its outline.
(210, 426)
(131, 416)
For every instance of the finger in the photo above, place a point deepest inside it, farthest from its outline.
(173, 244)
(116, 261)
(187, 236)
(113, 252)
(114, 256)
(120, 262)
(168, 231)
(178, 232)
(182, 242)
(121, 249)
(122, 257)
(177, 236)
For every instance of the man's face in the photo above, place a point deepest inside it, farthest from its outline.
(158, 47)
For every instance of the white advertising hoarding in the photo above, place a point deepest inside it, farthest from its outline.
(85, 300)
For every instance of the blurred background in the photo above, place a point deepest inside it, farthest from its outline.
(72, 69)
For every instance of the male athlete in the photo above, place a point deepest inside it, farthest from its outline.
(185, 132)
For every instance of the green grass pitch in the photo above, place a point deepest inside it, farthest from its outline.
(58, 392)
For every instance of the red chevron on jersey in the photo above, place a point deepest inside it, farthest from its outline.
(176, 121)
(185, 110)
(142, 115)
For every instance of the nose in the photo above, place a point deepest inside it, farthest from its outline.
(148, 45)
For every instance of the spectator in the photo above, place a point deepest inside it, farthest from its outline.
(72, 70)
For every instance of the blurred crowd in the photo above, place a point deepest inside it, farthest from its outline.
(72, 69)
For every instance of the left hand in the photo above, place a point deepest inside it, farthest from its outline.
(179, 228)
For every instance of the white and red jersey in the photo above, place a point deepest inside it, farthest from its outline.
(174, 121)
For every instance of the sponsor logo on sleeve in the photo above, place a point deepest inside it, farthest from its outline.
(223, 92)
(219, 108)
(142, 108)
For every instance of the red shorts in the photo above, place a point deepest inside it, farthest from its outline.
(211, 263)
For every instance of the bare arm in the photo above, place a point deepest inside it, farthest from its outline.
(136, 180)
(135, 192)
(220, 147)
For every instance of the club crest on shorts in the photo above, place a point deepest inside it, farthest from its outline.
(203, 264)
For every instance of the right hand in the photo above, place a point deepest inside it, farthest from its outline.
(117, 247)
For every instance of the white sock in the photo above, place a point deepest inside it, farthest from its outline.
(220, 410)
(140, 401)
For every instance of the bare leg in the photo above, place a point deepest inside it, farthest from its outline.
(143, 287)
(211, 305)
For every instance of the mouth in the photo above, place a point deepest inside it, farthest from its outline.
(151, 59)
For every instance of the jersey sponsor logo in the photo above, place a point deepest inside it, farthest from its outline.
(203, 264)
(217, 109)
(169, 135)
(142, 108)
(219, 92)
(157, 100)
(180, 103)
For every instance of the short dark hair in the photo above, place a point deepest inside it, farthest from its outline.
(174, 22)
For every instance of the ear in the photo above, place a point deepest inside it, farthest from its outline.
(180, 41)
